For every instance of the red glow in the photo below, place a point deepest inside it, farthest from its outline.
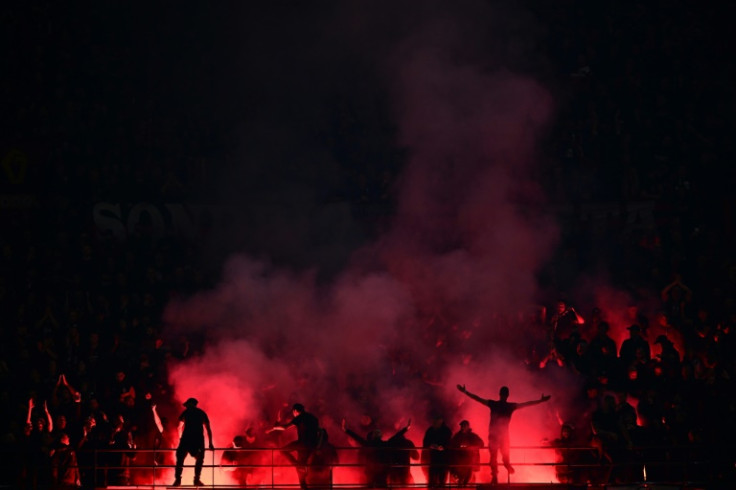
(430, 304)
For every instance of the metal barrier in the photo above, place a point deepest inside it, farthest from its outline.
(678, 467)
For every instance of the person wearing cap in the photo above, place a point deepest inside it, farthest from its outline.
(498, 429)
(465, 456)
(191, 440)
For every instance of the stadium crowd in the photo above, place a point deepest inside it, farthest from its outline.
(638, 175)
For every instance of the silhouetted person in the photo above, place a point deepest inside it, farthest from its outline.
(191, 439)
(307, 429)
(121, 440)
(465, 454)
(401, 452)
(93, 439)
(237, 460)
(64, 465)
(563, 323)
(634, 349)
(39, 444)
(321, 461)
(602, 350)
(378, 454)
(669, 358)
(498, 429)
(570, 458)
(435, 454)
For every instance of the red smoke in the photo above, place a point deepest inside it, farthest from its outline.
(432, 303)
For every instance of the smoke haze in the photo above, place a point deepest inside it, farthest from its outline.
(436, 299)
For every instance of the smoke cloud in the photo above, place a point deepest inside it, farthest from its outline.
(438, 298)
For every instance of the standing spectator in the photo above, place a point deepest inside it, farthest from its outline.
(307, 429)
(435, 454)
(634, 349)
(465, 460)
(565, 321)
(64, 465)
(377, 454)
(498, 429)
(38, 431)
(321, 461)
(191, 440)
(602, 350)
(121, 458)
(401, 454)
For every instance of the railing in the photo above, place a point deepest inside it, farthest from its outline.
(682, 467)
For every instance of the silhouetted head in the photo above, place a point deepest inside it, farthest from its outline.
(297, 409)
(503, 393)
(250, 435)
(191, 402)
(464, 426)
(561, 306)
(374, 435)
(663, 340)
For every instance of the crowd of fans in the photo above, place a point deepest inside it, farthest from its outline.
(645, 122)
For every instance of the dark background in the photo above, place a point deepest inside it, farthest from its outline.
(274, 124)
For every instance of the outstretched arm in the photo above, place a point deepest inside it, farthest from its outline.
(353, 435)
(542, 399)
(279, 425)
(401, 431)
(472, 395)
(578, 318)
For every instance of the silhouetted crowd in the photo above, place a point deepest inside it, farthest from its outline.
(638, 177)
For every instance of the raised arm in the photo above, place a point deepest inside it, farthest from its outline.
(157, 419)
(401, 431)
(76, 396)
(578, 318)
(29, 419)
(542, 399)
(357, 438)
(472, 395)
(49, 420)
